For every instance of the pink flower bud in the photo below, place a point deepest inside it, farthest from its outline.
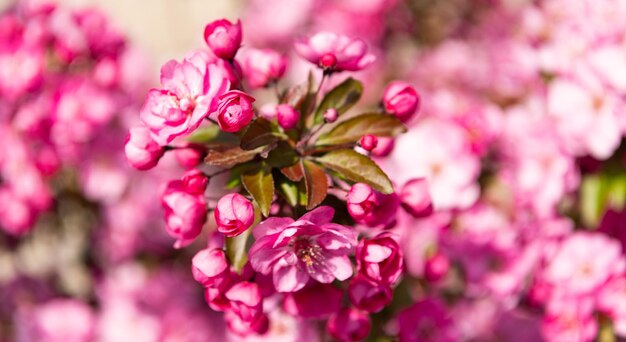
(242, 328)
(190, 156)
(210, 267)
(415, 198)
(234, 111)
(261, 67)
(195, 182)
(234, 214)
(287, 116)
(349, 325)
(185, 213)
(246, 300)
(368, 295)
(331, 115)
(380, 259)
(328, 61)
(370, 207)
(401, 100)
(142, 152)
(215, 297)
(436, 267)
(223, 37)
(368, 142)
(384, 147)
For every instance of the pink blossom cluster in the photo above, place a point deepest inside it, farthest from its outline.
(75, 215)
(522, 120)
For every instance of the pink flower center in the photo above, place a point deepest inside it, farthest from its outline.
(328, 61)
(308, 252)
(186, 105)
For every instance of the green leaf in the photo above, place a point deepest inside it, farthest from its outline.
(316, 184)
(234, 177)
(289, 191)
(261, 132)
(356, 167)
(237, 247)
(342, 98)
(260, 185)
(282, 156)
(227, 156)
(204, 134)
(237, 250)
(351, 130)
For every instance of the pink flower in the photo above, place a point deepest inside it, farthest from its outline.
(185, 213)
(16, 216)
(261, 67)
(190, 93)
(334, 52)
(287, 116)
(401, 100)
(223, 37)
(317, 301)
(368, 295)
(571, 321)
(294, 251)
(349, 325)
(436, 267)
(142, 152)
(368, 142)
(426, 320)
(210, 267)
(370, 207)
(234, 214)
(612, 302)
(63, 320)
(380, 259)
(234, 111)
(583, 263)
(245, 301)
(415, 198)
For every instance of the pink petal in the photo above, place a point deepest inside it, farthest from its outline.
(271, 226)
(319, 216)
(289, 278)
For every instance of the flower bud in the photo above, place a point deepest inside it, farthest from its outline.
(328, 61)
(210, 267)
(195, 182)
(242, 328)
(384, 147)
(370, 207)
(185, 213)
(287, 116)
(331, 115)
(223, 37)
(436, 267)
(401, 100)
(415, 198)
(190, 156)
(368, 295)
(380, 259)
(234, 111)
(234, 214)
(368, 142)
(349, 325)
(245, 300)
(142, 152)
